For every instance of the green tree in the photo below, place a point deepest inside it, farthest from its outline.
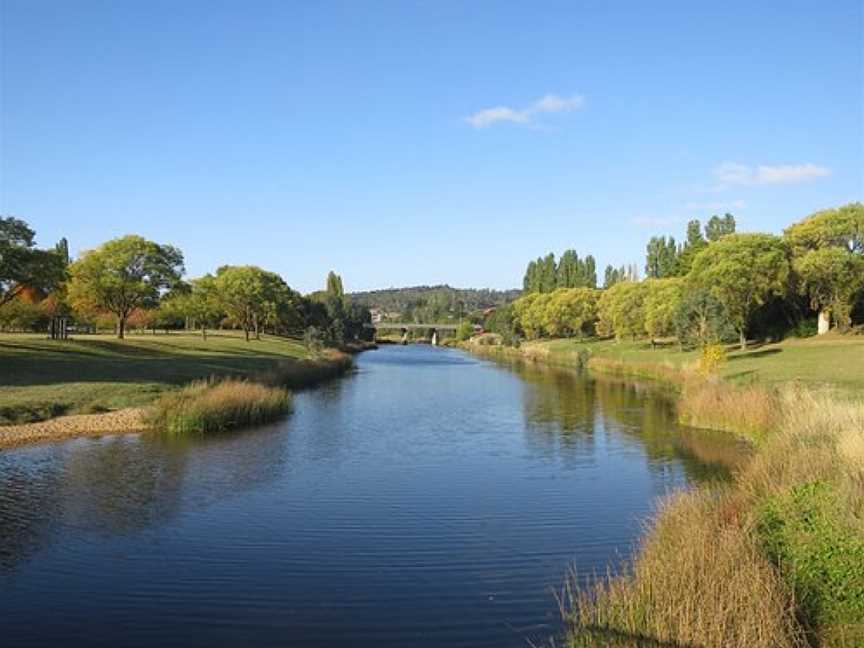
(62, 250)
(529, 282)
(570, 311)
(612, 275)
(718, 227)
(334, 285)
(840, 227)
(200, 303)
(24, 266)
(831, 277)
(568, 271)
(122, 275)
(700, 319)
(621, 310)
(242, 294)
(742, 271)
(828, 246)
(662, 298)
(661, 257)
(589, 273)
(694, 244)
(548, 272)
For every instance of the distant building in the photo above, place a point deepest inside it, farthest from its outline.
(376, 314)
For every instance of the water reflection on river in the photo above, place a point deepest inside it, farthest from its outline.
(431, 499)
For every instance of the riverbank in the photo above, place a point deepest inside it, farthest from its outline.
(775, 557)
(97, 384)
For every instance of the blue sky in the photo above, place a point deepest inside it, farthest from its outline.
(407, 143)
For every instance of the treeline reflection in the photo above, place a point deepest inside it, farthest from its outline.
(567, 409)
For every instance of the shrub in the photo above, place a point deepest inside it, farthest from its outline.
(711, 359)
(800, 528)
(805, 328)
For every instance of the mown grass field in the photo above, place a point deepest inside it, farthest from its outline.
(41, 378)
(832, 361)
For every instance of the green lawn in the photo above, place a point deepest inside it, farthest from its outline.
(40, 378)
(832, 360)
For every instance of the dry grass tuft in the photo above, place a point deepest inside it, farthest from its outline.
(215, 406)
(711, 403)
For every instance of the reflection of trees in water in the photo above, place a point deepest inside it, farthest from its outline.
(559, 408)
(562, 408)
(123, 485)
(644, 412)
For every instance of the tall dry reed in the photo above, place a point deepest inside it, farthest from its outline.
(215, 406)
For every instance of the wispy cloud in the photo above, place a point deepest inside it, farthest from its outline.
(716, 206)
(731, 174)
(549, 104)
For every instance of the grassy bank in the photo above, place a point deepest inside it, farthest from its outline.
(776, 556)
(41, 378)
(833, 362)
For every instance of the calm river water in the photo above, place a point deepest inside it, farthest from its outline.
(429, 499)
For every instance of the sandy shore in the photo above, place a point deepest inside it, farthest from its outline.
(64, 427)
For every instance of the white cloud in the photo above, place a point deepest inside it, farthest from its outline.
(549, 104)
(716, 206)
(731, 174)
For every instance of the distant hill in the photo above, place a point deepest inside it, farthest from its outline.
(433, 303)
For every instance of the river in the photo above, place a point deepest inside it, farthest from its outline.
(431, 498)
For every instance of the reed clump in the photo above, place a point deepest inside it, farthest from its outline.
(218, 405)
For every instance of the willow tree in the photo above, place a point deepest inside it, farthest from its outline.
(742, 271)
(123, 275)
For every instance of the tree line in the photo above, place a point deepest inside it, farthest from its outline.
(709, 288)
(134, 281)
(425, 304)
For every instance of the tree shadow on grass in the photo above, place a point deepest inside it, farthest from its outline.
(756, 354)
